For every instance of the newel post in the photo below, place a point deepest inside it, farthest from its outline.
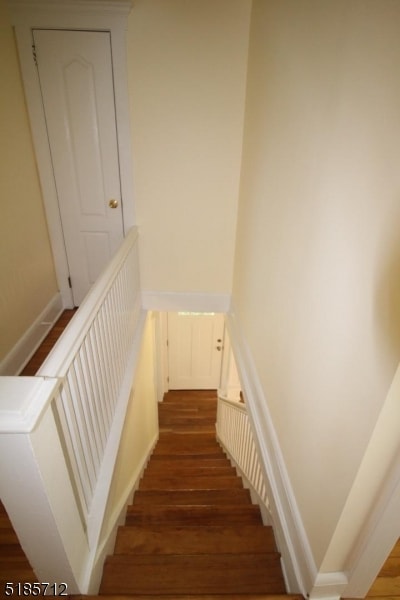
(230, 386)
(35, 486)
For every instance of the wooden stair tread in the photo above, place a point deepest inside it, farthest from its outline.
(8, 537)
(182, 410)
(193, 482)
(192, 497)
(193, 514)
(391, 568)
(386, 596)
(188, 462)
(191, 393)
(188, 466)
(227, 573)
(184, 419)
(177, 458)
(179, 409)
(187, 428)
(18, 572)
(385, 586)
(187, 443)
(186, 447)
(10, 550)
(190, 539)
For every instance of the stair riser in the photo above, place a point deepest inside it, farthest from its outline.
(194, 540)
(224, 574)
(186, 462)
(190, 417)
(194, 438)
(182, 410)
(190, 483)
(187, 414)
(196, 497)
(193, 515)
(182, 470)
(186, 428)
(174, 453)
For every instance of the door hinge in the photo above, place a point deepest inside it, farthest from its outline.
(70, 282)
(34, 54)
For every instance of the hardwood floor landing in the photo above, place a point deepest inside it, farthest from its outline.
(46, 346)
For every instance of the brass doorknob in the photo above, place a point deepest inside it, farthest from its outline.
(113, 203)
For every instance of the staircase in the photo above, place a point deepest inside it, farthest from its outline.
(192, 530)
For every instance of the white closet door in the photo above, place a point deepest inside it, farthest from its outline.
(76, 80)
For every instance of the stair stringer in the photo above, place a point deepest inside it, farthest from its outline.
(117, 519)
(299, 568)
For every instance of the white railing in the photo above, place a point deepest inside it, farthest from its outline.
(91, 359)
(236, 437)
(61, 429)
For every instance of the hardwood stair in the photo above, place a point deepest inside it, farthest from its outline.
(387, 585)
(192, 531)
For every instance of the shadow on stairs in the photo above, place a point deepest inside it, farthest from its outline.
(192, 531)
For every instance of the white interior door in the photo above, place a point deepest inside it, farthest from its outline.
(195, 343)
(76, 80)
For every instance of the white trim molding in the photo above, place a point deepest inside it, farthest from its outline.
(300, 571)
(328, 586)
(370, 518)
(186, 301)
(369, 525)
(21, 353)
(377, 539)
(95, 15)
(297, 559)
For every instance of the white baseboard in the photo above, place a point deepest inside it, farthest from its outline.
(300, 571)
(27, 345)
(329, 586)
(186, 301)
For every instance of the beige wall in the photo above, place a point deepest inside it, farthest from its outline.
(140, 428)
(187, 68)
(316, 284)
(27, 279)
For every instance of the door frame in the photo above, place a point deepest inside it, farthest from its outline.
(92, 15)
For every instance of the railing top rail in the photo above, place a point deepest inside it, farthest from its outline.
(58, 361)
(239, 405)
